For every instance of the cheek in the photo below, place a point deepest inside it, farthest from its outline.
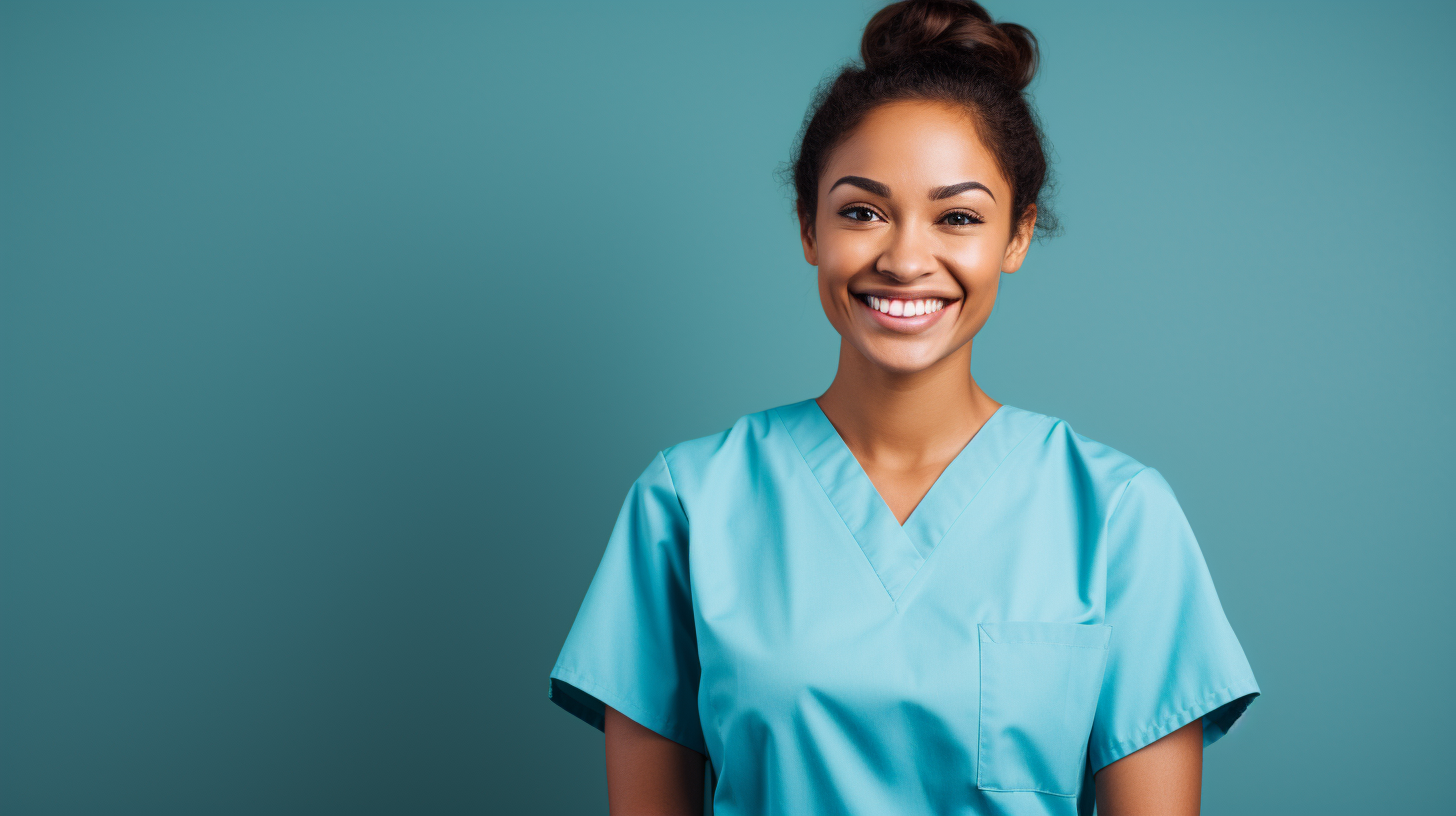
(832, 296)
(980, 259)
(842, 254)
(978, 269)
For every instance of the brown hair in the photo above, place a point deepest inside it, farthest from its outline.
(936, 50)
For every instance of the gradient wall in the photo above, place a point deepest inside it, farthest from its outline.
(332, 335)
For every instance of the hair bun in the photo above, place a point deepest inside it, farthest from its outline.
(962, 27)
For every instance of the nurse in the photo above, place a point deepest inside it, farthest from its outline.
(902, 596)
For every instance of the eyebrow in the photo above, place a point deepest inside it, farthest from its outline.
(883, 190)
(870, 185)
(956, 189)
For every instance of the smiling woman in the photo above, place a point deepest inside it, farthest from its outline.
(903, 596)
(889, 227)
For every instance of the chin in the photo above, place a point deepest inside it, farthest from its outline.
(902, 361)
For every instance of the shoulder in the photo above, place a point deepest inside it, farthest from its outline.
(746, 430)
(729, 454)
(1100, 471)
(726, 447)
(1136, 507)
(1096, 460)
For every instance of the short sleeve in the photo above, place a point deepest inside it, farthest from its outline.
(1172, 656)
(633, 645)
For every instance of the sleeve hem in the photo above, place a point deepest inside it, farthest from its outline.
(1228, 704)
(586, 699)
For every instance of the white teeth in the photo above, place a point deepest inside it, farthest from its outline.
(905, 308)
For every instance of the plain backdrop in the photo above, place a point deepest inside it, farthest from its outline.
(333, 334)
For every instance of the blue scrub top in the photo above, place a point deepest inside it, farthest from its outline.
(1044, 611)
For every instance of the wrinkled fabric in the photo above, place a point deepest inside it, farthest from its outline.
(1044, 611)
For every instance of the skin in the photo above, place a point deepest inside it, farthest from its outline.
(649, 774)
(896, 218)
(1163, 777)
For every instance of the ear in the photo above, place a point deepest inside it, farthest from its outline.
(1020, 242)
(806, 237)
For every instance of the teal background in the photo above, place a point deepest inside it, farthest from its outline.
(332, 335)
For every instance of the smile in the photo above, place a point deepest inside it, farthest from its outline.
(905, 315)
(904, 308)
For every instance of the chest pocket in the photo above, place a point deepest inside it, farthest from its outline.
(1039, 687)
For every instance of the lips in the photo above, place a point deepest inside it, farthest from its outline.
(905, 315)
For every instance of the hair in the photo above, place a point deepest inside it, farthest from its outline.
(944, 51)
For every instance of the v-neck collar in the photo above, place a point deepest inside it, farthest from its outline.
(896, 552)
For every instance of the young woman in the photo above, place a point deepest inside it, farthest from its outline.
(904, 597)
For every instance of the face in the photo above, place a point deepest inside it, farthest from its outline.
(912, 232)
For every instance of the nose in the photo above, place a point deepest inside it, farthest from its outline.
(908, 256)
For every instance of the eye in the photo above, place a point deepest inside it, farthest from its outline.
(963, 218)
(854, 213)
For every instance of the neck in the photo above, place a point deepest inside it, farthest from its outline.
(905, 418)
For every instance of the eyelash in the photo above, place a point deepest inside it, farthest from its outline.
(974, 219)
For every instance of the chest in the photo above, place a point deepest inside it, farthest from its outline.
(986, 665)
(902, 489)
(791, 597)
(954, 656)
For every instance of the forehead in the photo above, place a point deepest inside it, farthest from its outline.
(915, 146)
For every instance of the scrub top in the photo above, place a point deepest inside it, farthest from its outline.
(1044, 611)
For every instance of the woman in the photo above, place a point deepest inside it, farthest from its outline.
(904, 597)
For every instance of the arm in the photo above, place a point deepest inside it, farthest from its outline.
(1163, 778)
(649, 774)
